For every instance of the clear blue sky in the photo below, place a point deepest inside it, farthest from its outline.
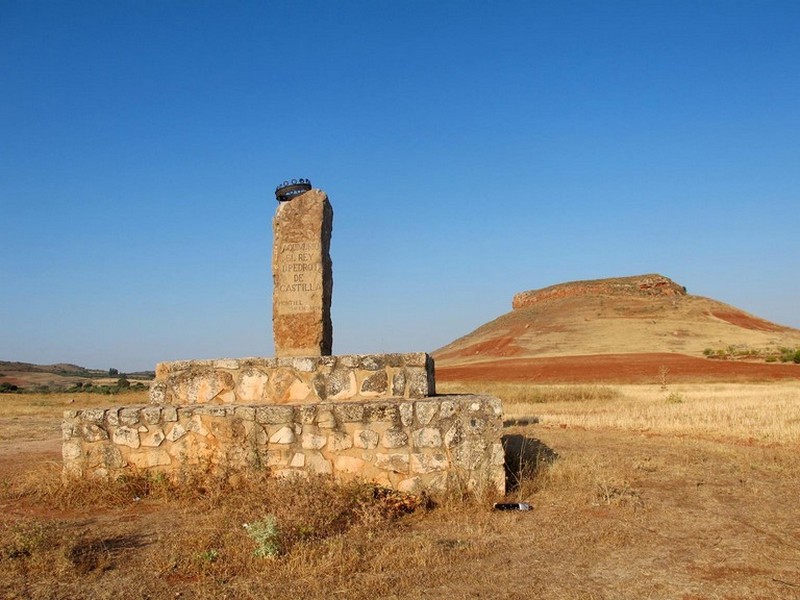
(471, 150)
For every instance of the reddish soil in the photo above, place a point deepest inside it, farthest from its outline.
(746, 321)
(617, 368)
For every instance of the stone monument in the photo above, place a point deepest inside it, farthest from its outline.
(374, 417)
(302, 271)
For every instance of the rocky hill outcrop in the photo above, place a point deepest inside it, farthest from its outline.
(639, 285)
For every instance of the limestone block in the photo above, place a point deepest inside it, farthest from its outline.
(298, 460)
(341, 384)
(394, 438)
(411, 485)
(399, 384)
(93, 415)
(325, 419)
(372, 362)
(426, 411)
(169, 414)
(162, 370)
(476, 426)
(394, 360)
(303, 364)
(150, 459)
(71, 450)
(427, 437)
(211, 410)
(274, 414)
(93, 433)
(349, 413)
(308, 413)
(416, 359)
(111, 457)
(427, 463)
(365, 438)
(375, 384)
(246, 413)
(349, 464)
(282, 381)
(197, 426)
(68, 430)
(224, 397)
(453, 436)
(112, 417)
(349, 361)
(200, 386)
(153, 438)
(470, 454)
(252, 387)
(340, 441)
(381, 411)
(498, 456)
(176, 433)
(397, 463)
(226, 363)
(406, 413)
(279, 458)
(126, 436)
(129, 416)
(158, 392)
(417, 383)
(298, 391)
(302, 276)
(447, 409)
(312, 441)
(318, 464)
(151, 414)
(284, 435)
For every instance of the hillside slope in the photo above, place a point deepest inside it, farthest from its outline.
(641, 315)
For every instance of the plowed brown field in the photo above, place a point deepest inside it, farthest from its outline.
(617, 368)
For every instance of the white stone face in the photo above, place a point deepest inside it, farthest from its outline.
(126, 436)
(426, 411)
(71, 450)
(340, 441)
(396, 462)
(284, 435)
(313, 441)
(349, 464)
(427, 437)
(365, 438)
(176, 433)
(252, 386)
(153, 438)
(427, 463)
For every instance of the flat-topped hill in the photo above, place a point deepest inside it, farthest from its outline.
(637, 286)
(645, 315)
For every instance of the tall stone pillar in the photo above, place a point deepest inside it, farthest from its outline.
(302, 274)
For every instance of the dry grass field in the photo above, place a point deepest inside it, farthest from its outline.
(684, 491)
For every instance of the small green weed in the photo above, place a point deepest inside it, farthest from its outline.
(266, 535)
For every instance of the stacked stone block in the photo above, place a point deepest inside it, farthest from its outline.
(433, 444)
(306, 379)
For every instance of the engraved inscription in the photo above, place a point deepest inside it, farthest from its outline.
(299, 278)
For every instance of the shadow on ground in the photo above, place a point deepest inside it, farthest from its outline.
(525, 457)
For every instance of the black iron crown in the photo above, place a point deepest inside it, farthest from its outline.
(289, 189)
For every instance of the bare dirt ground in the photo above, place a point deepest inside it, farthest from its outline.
(617, 513)
(617, 368)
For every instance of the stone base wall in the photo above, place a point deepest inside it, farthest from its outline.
(434, 444)
(306, 379)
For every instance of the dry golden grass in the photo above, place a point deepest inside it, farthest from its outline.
(765, 413)
(635, 495)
